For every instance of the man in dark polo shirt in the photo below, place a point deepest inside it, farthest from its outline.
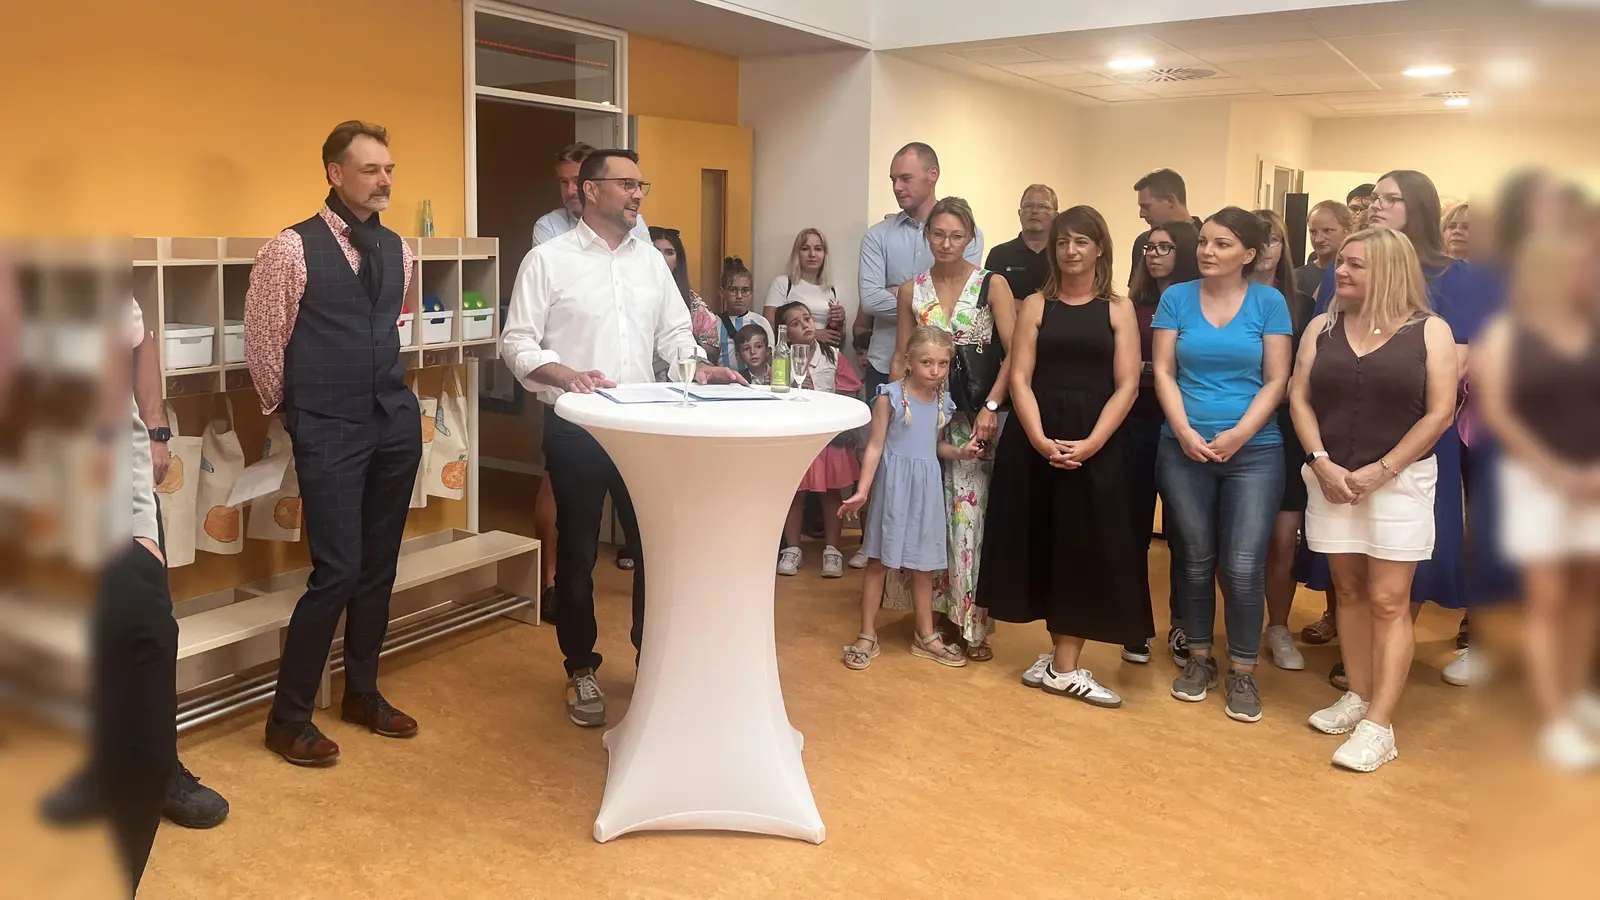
(1163, 198)
(1021, 261)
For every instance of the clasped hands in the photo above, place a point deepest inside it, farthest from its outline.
(589, 381)
(1340, 485)
(1066, 454)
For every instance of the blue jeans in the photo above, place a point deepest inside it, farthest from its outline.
(1144, 439)
(1218, 520)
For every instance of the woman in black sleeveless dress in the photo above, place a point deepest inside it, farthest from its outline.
(1059, 543)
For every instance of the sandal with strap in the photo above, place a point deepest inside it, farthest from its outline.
(931, 647)
(1322, 631)
(857, 658)
(979, 652)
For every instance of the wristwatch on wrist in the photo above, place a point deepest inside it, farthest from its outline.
(991, 406)
(1313, 456)
(160, 435)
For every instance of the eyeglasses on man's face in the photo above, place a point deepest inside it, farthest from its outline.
(1161, 249)
(1038, 208)
(629, 185)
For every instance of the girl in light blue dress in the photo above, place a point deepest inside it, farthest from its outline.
(905, 526)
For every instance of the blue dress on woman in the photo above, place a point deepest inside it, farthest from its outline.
(1455, 294)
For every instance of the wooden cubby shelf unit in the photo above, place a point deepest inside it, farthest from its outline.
(202, 281)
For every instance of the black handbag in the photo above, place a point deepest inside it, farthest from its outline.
(976, 367)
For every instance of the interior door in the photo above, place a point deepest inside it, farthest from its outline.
(690, 165)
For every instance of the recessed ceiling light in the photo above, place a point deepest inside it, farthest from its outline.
(1428, 71)
(1458, 102)
(1131, 64)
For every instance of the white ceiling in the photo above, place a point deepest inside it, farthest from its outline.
(696, 24)
(1341, 62)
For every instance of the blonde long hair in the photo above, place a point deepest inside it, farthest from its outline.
(824, 280)
(925, 335)
(1397, 292)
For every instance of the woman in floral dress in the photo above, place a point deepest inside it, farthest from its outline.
(974, 305)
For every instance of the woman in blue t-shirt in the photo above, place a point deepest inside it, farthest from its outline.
(1222, 353)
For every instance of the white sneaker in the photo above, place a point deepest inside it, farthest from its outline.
(1342, 717)
(1467, 670)
(1079, 684)
(1034, 677)
(789, 561)
(1367, 748)
(859, 561)
(1285, 655)
(832, 562)
(1586, 711)
(1564, 744)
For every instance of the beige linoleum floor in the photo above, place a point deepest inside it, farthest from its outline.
(932, 782)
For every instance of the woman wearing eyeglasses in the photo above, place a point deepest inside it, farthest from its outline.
(1407, 201)
(1168, 259)
(976, 307)
(1276, 270)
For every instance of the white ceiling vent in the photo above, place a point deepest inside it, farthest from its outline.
(1163, 76)
(1445, 95)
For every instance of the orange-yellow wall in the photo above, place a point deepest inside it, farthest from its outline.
(207, 118)
(672, 154)
(672, 81)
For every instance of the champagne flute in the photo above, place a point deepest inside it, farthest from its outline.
(683, 369)
(799, 363)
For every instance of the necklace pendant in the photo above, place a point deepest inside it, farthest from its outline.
(1377, 331)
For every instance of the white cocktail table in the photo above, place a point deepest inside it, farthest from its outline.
(707, 743)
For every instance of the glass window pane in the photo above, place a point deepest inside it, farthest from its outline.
(539, 59)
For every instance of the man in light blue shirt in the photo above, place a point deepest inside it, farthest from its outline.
(895, 250)
(560, 221)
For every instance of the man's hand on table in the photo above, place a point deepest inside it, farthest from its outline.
(717, 375)
(571, 380)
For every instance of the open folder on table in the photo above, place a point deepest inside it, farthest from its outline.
(728, 392)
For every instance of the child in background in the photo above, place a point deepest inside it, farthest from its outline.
(755, 354)
(834, 469)
(737, 290)
(905, 524)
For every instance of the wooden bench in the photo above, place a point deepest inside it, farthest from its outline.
(437, 576)
(515, 562)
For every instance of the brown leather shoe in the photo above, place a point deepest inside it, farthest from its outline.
(301, 743)
(375, 713)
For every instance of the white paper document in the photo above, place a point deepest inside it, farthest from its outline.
(260, 478)
(642, 393)
(728, 392)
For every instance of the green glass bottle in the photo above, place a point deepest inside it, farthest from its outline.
(780, 363)
(427, 218)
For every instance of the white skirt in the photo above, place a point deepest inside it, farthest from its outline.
(1539, 523)
(1394, 522)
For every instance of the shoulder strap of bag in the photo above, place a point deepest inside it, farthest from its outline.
(983, 289)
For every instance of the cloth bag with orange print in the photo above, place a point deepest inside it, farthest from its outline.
(178, 494)
(447, 453)
(219, 528)
(426, 406)
(276, 516)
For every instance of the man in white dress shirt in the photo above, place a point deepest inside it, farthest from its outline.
(563, 219)
(591, 309)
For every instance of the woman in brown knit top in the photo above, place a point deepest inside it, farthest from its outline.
(1377, 389)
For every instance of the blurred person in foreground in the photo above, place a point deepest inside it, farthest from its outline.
(133, 769)
(1537, 378)
(84, 796)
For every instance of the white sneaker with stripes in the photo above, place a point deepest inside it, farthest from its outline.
(1079, 684)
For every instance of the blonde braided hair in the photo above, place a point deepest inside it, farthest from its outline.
(925, 335)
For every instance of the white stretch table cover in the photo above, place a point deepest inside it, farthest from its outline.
(707, 743)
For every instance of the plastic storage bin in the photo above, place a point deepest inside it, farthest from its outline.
(436, 326)
(477, 324)
(404, 325)
(233, 340)
(188, 346)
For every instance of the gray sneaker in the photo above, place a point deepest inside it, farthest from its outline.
(1244, 698)
(1199, 675)
(586, 704)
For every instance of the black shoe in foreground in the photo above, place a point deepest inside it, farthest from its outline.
(78, 801)
(191, 804)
